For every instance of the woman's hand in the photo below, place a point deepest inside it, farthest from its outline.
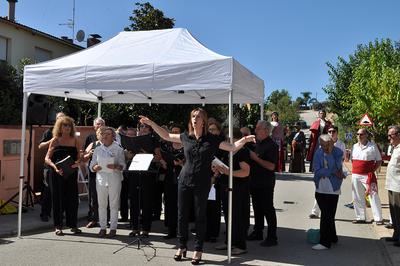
(178, 162)
(59, 171)
(96, 168)
(250, 138)
(114, 166)
(145, 120)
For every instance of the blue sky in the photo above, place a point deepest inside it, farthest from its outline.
(285, 42)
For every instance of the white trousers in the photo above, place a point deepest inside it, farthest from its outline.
(358, 187)
(105, 194)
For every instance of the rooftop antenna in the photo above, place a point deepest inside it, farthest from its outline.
(71, 22)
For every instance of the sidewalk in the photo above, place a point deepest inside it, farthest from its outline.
(392, 252)
(31, 220)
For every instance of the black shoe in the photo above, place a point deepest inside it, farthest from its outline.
(391, 239)
(255, 236)
(169, 236)
(123, 220)
(268, 242)
(389, 226)
(178, 256)
(212, 240)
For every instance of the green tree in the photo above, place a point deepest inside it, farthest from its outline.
(10, 95)
(146, 17)
(281, 102)
(368, 83)
(306, 97)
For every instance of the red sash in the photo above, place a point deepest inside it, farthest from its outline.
(366, 168)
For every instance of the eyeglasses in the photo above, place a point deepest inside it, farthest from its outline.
(331, 131)
(143, 126)
(392, 135)
(66, 125)
(360, 134)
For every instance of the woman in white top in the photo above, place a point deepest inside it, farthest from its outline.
(108, 161)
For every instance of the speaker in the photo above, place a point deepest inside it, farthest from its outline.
(38, 108)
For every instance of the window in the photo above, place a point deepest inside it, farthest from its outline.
(42, 55)
(3, 48)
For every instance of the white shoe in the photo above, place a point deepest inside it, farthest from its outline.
(319, 247)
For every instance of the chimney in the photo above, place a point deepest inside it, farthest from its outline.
(11, 9)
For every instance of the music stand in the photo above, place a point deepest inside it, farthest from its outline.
(140, 165)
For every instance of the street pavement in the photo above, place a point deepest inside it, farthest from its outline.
(359, 244)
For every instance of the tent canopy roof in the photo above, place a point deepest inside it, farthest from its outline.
(160, 66)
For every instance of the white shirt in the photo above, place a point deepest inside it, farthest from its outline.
(368, 152)
(115, 153)
(393, 171)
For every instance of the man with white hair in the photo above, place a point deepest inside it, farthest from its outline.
(393, 183)
(262, 183)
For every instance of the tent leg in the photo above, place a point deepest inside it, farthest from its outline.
(22, 160)
(262, 111)
(99, 109)
(230, 178)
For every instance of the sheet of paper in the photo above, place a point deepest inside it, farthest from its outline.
(211, 195)
(103, 162)
(141, 162)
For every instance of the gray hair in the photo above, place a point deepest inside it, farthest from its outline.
(325, 138)
(396, 128)
(99, 119)
(265, 124)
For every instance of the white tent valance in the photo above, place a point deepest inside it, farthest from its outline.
(161, 66)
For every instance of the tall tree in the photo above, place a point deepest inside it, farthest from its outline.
(306, 96)
(281, 102)
(10, 95)
(146, 17)
(369, 82)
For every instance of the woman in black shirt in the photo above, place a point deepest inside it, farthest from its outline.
(195, 177)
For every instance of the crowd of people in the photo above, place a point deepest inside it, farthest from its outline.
(185, 178)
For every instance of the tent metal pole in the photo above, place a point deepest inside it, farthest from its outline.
(22, 160)
(230, 177)
(99, 109)
(262, 111)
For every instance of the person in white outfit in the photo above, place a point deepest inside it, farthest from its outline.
(108, 161)
(366, 159)
(333, 132)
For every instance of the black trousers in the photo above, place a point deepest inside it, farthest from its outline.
(93, 202)
(328, 204)
(394, 205)
(143, 182)
(157, 198)
(263, 206)
(186, 197)
(214, 215)
(124, 198)
(240, 212)
(65, 198)
(171, 203)
(45, 197)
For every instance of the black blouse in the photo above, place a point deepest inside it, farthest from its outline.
(199, 154)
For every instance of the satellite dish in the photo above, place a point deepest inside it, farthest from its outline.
(80, 35)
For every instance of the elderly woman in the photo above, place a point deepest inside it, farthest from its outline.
(108, 161)
(328, 177)
(64, 185)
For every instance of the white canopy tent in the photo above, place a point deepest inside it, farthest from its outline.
(162, 66)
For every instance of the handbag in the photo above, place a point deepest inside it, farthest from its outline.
(313, 236)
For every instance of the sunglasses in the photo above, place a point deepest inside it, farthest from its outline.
(360, 134)
(392, 135)
(66, 125)
(143, 126)
(331, 131)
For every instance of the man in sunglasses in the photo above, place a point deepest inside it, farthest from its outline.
(366, 159)
(393, 183)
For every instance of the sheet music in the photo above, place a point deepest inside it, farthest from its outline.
(141, 162)
(103, 162)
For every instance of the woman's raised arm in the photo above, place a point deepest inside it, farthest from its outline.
(164, 134)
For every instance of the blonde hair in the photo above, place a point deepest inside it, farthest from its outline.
(101, 130)
(203, 115)
(58, 125)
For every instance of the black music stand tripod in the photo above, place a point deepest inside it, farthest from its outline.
(139, 241)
